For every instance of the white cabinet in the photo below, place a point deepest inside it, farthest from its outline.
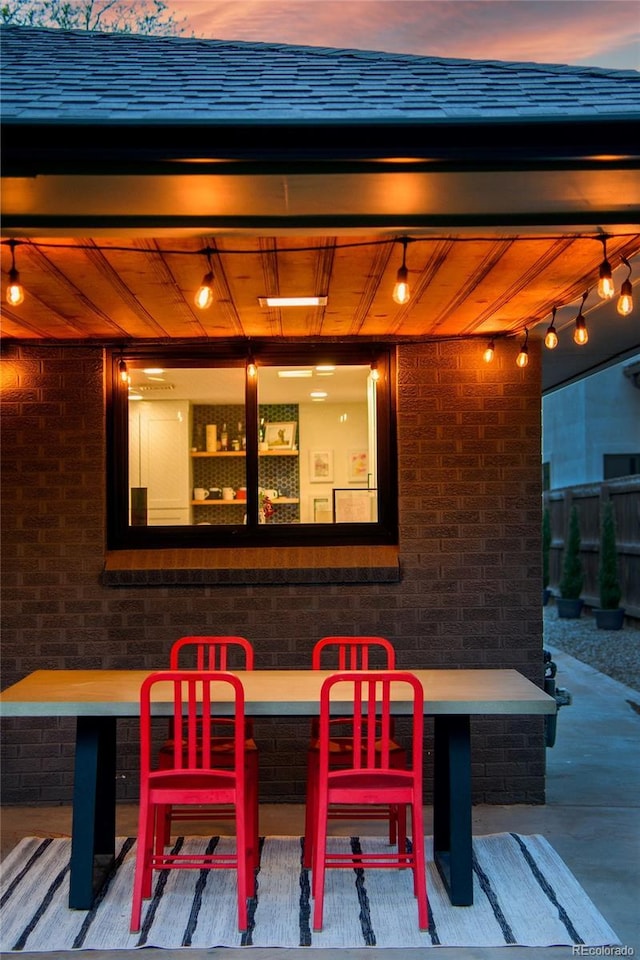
(158, 458)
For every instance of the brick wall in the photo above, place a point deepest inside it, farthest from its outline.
(469, 595)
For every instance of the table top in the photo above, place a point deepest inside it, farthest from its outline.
(281, 693)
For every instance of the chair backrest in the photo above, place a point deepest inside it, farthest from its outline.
(196, 697)
(211, 653)
(365, 700)
(353, 653)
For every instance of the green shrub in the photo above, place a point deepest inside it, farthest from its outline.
(572, 570)
(610, 591)
(546, 546)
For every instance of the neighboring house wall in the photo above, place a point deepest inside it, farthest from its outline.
(584, 421)
(469, 594)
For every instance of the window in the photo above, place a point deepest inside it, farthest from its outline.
(202, 453)
(620, 465)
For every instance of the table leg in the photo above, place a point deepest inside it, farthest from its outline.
(94, 808)
(452, 807)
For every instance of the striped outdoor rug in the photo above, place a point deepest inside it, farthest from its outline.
(524, 894)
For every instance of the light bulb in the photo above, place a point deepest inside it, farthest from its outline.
(487, 356)
(252, 370)
(625, 300)
(523, 357)
(401, 292)
(15, 292)
(551, 338)
(605, 283)
(581, 335)
(123, 373)
(375, 373)
(204, 296)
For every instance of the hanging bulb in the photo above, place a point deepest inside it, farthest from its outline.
(204, 295)
(15, 291)
(581, 335)
(551, 336)
(252, 369)
(401, 292)
(487, 356)
(375, 373)
(605, 281)
(625, 300)
(123, 373)
(523, 357)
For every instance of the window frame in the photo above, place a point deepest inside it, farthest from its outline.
(122, 536)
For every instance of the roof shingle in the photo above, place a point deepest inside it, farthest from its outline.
(80, 76)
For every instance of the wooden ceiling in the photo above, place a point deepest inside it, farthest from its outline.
(118, 289)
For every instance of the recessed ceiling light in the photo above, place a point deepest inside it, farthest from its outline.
(150, 370)
(292, 301)
(293, 374)
(318, 394)
(325, 368)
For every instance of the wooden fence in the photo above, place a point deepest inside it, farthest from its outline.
(588, 499)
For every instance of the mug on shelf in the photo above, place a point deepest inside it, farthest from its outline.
(228, 493)
(200, 493)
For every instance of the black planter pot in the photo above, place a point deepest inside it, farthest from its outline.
(568, 608)
(609, 619)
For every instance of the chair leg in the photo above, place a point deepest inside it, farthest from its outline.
(319, 862)
(419, 869)
(142, 876)
(242, 862)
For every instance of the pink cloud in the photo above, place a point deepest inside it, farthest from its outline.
(551, 31)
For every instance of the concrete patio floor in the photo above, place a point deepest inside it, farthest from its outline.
(590, 818)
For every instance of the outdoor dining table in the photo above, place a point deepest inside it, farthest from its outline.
(97, 698)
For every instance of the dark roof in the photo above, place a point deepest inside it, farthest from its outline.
(77, 76)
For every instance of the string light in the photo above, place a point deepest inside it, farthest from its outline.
(123, 373)
(605, 282)
(204, 293)
(581, 334)
(523, 357)
(15, 292)
(490, 349)
(551, 336)
(252, 367)
(375, 373)
(401, 291)
(625, 300)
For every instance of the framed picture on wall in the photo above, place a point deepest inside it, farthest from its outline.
(321, 466)
(355, 506)
(357, 466)
(280, 436)
(322, 510)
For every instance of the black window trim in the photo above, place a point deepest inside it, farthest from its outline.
(122, 536)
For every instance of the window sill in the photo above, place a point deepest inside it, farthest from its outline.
(252, 566)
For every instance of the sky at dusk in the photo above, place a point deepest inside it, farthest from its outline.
(601, 33)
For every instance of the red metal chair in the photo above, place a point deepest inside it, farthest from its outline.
(371, 777)
(350, 653)
(194, 777)
(213, 653)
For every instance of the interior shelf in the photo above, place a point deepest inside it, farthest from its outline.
(237, 503)
(242, 453)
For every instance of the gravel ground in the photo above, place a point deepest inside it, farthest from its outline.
(614, 652)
